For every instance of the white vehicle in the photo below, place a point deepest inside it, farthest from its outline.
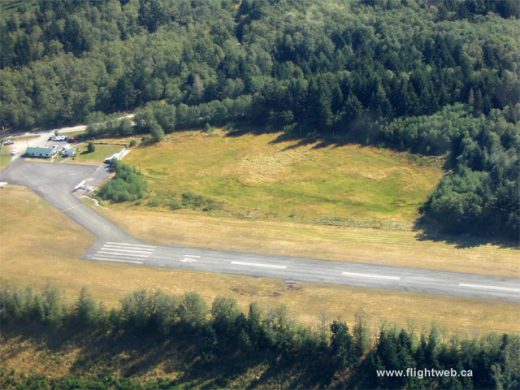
(8, 142)
(13, 151)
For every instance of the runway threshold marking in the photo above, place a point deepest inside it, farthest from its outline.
(244, 263)
(130, 245)
(361, 275)
(114, 253)
(488, 287)
(123, 252)
(100, 258)
(125, 249)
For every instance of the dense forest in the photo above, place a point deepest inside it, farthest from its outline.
(438, 78)
(336, 355)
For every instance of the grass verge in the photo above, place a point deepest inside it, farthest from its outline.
(102, 151)
(5, 157)
(365, 245)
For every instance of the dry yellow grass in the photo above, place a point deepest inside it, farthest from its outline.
(35, 358)
(40, 245)
(392, 247)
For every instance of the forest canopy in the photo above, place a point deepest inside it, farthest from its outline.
(438, 78)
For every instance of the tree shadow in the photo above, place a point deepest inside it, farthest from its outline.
(240, 130)
(318, 141)
(427, 230)
(181, 360)
(132, 356)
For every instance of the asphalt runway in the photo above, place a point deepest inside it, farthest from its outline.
(56, 183)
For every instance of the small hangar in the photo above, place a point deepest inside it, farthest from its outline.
(39, 151)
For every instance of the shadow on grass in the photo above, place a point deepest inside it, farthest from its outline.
(240, 130)
(181, 359)
(427, 230)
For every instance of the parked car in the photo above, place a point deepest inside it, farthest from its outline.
(8, 142)
(72, 139)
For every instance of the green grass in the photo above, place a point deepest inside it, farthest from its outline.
(5, 157)
(252, 176)
(102, 151)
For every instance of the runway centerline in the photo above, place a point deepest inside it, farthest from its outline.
(373, 276)
(487, 287)
(261, 265)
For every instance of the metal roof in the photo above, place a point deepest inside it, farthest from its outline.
(39, 151)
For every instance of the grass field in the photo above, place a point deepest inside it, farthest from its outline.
(280, 199)
(34, 254)
(254, 176)
(366, 245)
(102, 151)
(5, 157)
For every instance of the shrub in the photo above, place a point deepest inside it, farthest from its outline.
(173, 204)
(86, 312)
(91, 148)
(127, 185)
(198, 202)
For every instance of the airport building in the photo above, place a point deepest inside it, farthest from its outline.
(39, 151)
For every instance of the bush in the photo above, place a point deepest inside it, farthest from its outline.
(91, 148)
(127, 185)
(173, 204)
(86, 312)
(198, 202)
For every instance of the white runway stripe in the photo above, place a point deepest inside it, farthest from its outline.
(102, 258)
(356, 274)
(123, 252)
(125, 249)
(259, 265)
(131, 245)
(486, 287)
(103, 252)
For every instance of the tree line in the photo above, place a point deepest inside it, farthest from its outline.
(373, 71)
(480, 194)
(337, 352)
